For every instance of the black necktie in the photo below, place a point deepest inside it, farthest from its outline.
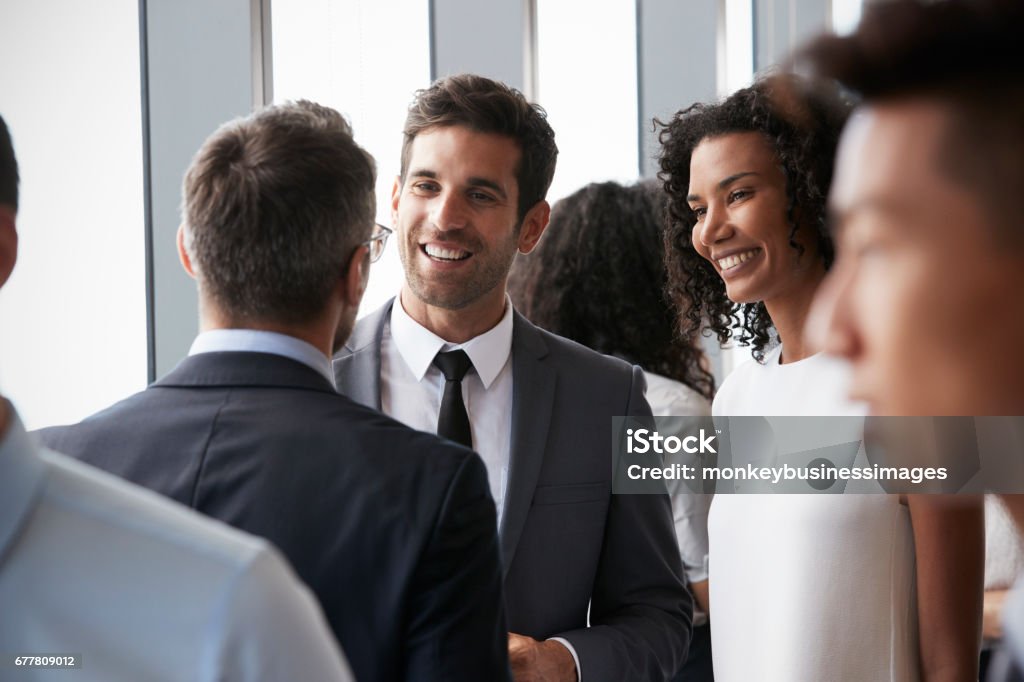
(453, 422)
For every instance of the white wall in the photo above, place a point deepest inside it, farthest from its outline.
(73, 315)
(365, 59)
(587, 82)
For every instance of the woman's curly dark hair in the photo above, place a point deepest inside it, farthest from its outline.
(802, 121)
(598, 278)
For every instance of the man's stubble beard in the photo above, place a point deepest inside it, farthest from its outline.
(484, 278)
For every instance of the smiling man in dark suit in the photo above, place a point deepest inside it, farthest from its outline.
(451, 355)
(393, 529)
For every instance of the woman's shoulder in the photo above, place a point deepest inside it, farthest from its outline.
(814, 385)
(670, 397)
(741, 391)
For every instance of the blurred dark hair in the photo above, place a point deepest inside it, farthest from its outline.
(487, 106)
(965, 55)
(8, 168)
(275, 204)
(598, 277)
(801, 121)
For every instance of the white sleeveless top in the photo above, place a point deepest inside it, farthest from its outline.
(808, 587)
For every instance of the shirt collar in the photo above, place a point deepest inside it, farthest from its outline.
(418, 345)
(261, 341)
(21, 478)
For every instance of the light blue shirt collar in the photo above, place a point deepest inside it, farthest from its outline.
(260, 341)
(418, 345)
(21, 478)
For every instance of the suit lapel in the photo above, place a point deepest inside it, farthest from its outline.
(357, 365)
(533, 393)
(357, 372)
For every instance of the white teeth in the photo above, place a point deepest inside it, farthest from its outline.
(732, 261)
(445, 254)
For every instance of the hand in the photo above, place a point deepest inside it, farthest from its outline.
(701, 596)
(534, 661)
(992, 614)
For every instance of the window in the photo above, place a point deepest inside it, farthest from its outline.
(365, 59)
(73, 313)
(846, 15)
(586, 80)
(736, 48)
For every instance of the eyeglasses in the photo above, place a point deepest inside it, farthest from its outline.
(377, 242)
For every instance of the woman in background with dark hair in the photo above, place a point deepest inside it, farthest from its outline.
(805, 587)
(598, 278)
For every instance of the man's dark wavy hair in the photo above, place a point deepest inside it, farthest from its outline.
(488, 106)
(965, 55)
(802, 121)
(598, 278)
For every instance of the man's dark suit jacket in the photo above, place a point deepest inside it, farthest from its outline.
(393, 529)
(567, 542)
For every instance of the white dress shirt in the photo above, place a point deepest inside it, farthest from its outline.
(677, 404)
(411, 386)
(411, 389)
(259, 341)
(140, 587)
(808, 587)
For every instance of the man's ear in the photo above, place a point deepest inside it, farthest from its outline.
(396, 196)
(534, 224)
(186, 261)
(356, 277)
(8, 242)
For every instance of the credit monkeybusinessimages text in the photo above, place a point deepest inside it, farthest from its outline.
(644, 441)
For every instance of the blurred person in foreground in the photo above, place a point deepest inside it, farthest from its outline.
(1004, 562)
(597, 277)
(139, 588)
(803, 586)
(925, 299)
(393, 529)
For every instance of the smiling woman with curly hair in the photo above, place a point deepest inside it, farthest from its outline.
(803, 138)
(804, 586)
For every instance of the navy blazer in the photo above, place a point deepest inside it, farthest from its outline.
(568, 544)
(393, 529)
